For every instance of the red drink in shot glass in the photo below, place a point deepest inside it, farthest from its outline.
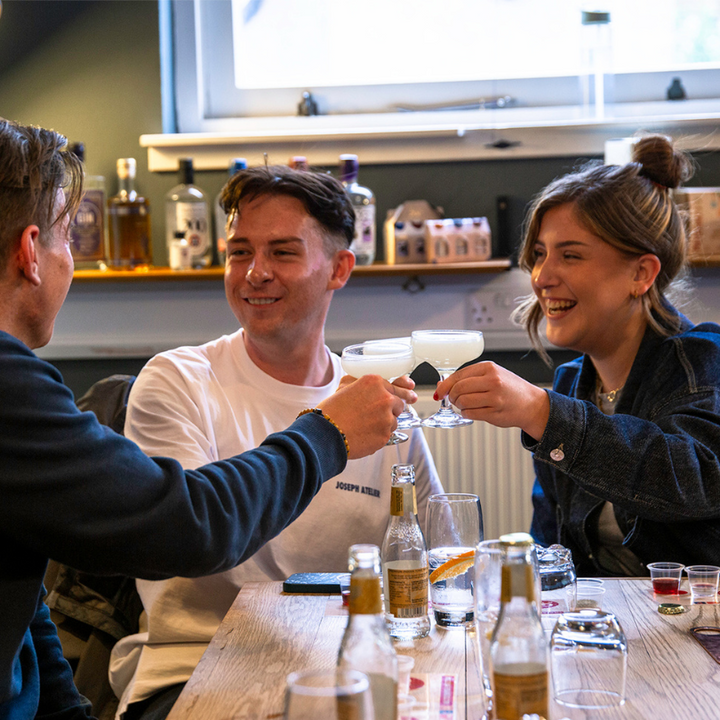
(666, 577)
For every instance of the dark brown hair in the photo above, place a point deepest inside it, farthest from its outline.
(33, 166)
(631, 208)
(322, 195)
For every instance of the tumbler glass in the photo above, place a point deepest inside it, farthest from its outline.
(454, 528)
(588, 654)
(335, 694)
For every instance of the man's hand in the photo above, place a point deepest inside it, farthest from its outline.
(366, 410)
(489, 392)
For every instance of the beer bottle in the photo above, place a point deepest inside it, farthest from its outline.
(405, 561)
(366, 645)
(518, 649)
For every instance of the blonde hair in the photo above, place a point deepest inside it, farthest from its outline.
(630, 207)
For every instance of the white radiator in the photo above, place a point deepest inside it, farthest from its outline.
(487, 461)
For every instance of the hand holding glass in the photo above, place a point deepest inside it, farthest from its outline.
(389, 360)
(446, 351)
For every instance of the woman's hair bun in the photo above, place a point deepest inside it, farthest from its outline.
(661, 162)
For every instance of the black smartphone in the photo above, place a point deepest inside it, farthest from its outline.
(319, 583)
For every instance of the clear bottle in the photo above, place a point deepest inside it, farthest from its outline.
(87, 228)
(363, 200)
(405, 561)
(186, 210)
(518, 649)
(128, 214)
(366, 645)
(236, 165)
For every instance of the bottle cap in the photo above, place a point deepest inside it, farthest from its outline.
(78, 149)
(126, 167)
(349, 167)
(186, 172)
(236, 165)
(670, 609)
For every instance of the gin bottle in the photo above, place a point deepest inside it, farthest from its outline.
(129, 243)
(186, 210)
(518, 649)
(363, 200)
(87, 228)
(366, 645)
(236, 165)
(405, 561)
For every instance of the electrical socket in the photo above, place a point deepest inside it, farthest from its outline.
(489, 310)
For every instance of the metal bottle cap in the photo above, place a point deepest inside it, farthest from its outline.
(670, 609)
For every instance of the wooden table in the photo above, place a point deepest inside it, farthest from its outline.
(268, 634)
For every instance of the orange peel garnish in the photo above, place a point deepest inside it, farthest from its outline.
(453, 567)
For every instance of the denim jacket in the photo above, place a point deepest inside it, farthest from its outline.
(657, 459)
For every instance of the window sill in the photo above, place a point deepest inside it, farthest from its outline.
(509, 133)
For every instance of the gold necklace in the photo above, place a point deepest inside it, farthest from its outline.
(609, 395)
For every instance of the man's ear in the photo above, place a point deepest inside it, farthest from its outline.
(26, 254)
(343, 264)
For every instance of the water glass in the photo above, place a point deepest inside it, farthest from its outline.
(588, 658)
(335, 694)
(488, 573)
(454, 528)
(590, 593)
(557, 580)
(703, 580)
(665, 577)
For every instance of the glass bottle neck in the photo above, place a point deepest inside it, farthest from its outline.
(403, 500)
(126, 187)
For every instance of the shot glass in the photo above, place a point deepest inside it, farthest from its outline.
(666, 577)
(344, 580)
(454, 528)
(588, 660)
(703, 580)
(590, 593)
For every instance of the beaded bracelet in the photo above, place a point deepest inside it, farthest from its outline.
(319, 412)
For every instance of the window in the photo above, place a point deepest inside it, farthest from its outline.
(254, 58)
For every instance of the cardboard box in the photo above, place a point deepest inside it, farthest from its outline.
(404, 232)
(702, 206)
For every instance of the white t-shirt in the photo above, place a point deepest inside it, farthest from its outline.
(202, 404)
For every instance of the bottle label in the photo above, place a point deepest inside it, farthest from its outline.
(365, 596)
(517, 695)
(364, 241)
(87, 232)
(408, 592)
(397, 500)
(192, 219)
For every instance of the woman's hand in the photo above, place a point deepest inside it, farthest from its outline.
(489, 392)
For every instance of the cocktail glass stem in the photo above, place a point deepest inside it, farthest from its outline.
(446, 417)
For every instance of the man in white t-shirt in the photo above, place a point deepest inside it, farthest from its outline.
(287, 252)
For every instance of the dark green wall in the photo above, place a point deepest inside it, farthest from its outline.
(91, 70)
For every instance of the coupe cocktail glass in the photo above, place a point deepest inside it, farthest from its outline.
(408, 418)
(388, 359)
(446, 351)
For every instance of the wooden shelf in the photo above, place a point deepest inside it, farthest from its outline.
(217, 273)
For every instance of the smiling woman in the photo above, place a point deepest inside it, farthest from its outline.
(627, 443)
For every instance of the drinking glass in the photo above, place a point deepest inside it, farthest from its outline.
(588, 654)
(446, 351)
(454, 528)
(408, 418)
(389, 360)
(488, 573)
(703, 581)
(335, 694)
(557, 580)
(666, 577)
